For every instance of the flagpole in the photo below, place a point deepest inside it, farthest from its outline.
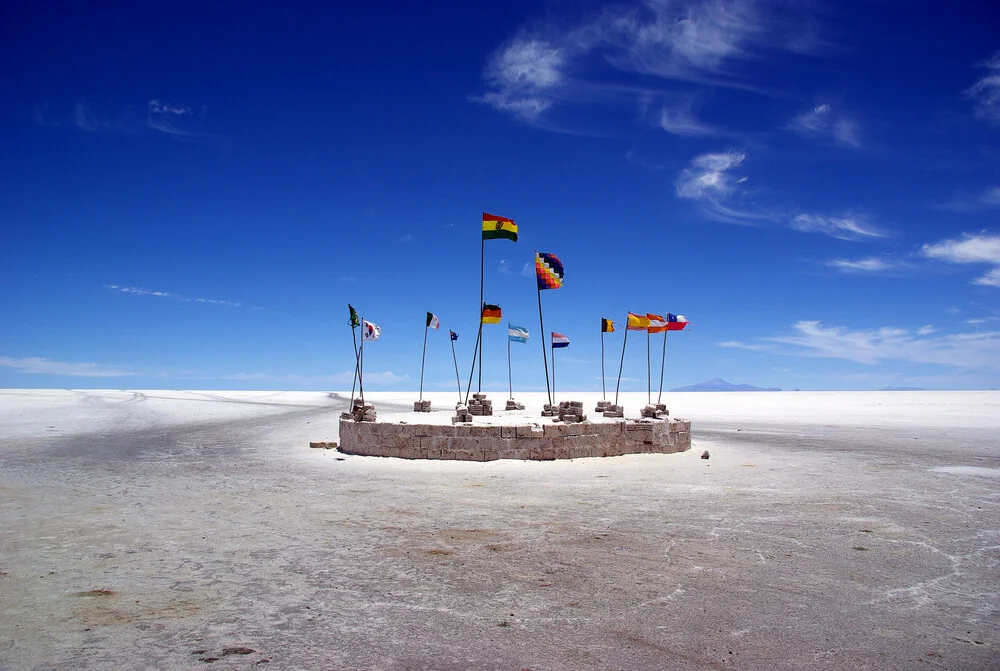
(649, 391)
(354, 382)
(622, 362)
(604, 392)
(361, 366)
(474, 352)
(482, 266)
(541, 332)
(662, 359)
(553, 371)
(455, 359)
(510, 382)
(422, 356)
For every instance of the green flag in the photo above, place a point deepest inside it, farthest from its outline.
(355, 322)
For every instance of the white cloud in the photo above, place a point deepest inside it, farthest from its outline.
(963, 350)
(697, 41)
(990, 279)
(926, 330)
(707, 177)
(157, 106)
(970, 249)
(824, 121)
(736, 344)
(523, 75)
(679, 119)
(39, 366)
(848, 227)
(872, 264)
(986, 91)
(167, 294)
(967, 249)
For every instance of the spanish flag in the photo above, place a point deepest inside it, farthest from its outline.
(637, 322)
(495, 228)
(491, 314)
(607, 326)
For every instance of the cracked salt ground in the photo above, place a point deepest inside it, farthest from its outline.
(179, 529)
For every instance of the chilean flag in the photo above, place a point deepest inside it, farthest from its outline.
(559, 340)
(676, 322)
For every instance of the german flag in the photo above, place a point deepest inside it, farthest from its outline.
(637, 322)
(607, 326)
(496, 228)
(491, 314)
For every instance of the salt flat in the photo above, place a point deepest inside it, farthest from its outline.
(171, 529)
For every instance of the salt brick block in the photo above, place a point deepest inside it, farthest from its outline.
(574, 430)
(553, 430)
(493, 431)
(523, 431)
(491, 455)
(536, 432)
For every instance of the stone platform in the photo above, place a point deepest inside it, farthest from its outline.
(522, 441)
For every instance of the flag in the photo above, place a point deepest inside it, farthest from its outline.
(370, 332)
(354, 316)
(548, 271)
(432, 321)
(454, 336)
(676, 322)
(637, 322)
(607, 326)
(497, 228)
(559, 340)
(657, 324)
(517, 333)
(491, 314)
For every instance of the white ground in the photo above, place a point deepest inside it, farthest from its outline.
(184, 529)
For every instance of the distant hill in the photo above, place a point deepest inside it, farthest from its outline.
(902, 389)
(721, 385)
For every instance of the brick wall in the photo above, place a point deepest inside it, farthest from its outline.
(486, 443)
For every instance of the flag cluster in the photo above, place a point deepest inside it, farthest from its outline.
(548, 271)
(654, 323)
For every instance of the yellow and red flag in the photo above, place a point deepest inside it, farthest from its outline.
(496, 228)
(657, 324)
(491, 314)
(637, 322)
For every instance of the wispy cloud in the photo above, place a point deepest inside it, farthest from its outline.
(95, 119)
(158, 115)
(963, 350)
(984, 200)
(39, 366)
(137, 291)
(872, 264)
(986, 91)
(822, 121)
(846, 227)
(977, 249)
(755, 347)
(562, 61)
(678, 118)
(710, 181)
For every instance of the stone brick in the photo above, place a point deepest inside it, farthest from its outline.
(508, 431)
(523, 431)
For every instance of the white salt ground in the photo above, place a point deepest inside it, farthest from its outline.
(173, 529)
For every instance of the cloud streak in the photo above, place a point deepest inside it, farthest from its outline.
(822, 121)
(975, 249)
(963, 350)
(872, 264)
(986, 91)
(137, 291)
(846, 227)
(40, 366)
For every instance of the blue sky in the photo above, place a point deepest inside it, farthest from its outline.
(192, 193)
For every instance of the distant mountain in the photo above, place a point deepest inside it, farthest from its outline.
(721, 385)
(902, 389)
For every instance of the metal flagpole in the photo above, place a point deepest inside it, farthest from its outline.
(510, 382)
(354, 336)
(541, 332)
(474, 352)
(361, 365)
(622, 362)
(482, 265)
(604, 392)
(455, 359)
(553, 371)
(649, 389)
(424, 354)
(662, 359)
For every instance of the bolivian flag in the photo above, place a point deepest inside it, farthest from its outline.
(495, 228)
(491, 314)
(637, 322)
